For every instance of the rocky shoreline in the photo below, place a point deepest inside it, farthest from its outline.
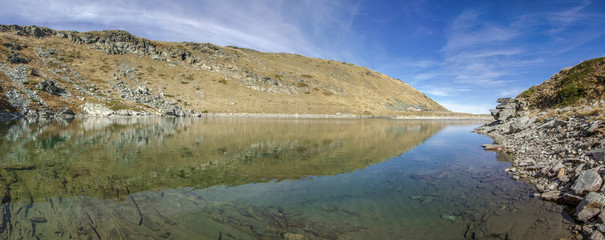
(561, 153)
(98, 110)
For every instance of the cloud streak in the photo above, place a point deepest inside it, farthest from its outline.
(303, 27)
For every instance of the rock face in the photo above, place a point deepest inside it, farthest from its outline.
(507, 109)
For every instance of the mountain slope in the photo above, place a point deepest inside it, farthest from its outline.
(585, 81)
(44, 69)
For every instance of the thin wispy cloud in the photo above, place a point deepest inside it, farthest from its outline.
(263, 25)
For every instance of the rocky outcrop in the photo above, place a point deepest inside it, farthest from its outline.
(563, 158)
(49, 86)
(33, 31)
(508, 108)
(16, 58)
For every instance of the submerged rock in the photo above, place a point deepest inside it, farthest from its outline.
(448, 217)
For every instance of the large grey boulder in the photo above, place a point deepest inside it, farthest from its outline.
(521, 123)
(16, 58)
(95, 109)
(49, 86)
(590, 206)
(588, 181)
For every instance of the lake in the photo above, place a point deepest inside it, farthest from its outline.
(254, 178)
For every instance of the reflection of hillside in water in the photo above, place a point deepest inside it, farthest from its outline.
(103, 157)
(90, 178)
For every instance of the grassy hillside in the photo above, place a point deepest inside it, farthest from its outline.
(585, 81)
(122, 71)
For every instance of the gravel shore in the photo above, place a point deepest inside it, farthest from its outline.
(561, 156)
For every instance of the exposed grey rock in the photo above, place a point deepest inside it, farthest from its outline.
(598, 155)
(33, 31)
(596, 235)
(594, 126)
(13, 46)
(590, 206)
(551, 196)
(521, 123)
(553, 157)
(552, 123)
(507, 109)
(65, 113)
(588, 181)
(16, 100)
(95, 109)
(49, 86)
(16, 58)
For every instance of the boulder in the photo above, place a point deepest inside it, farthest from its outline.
(552, 123)
(588, 181)
(521, 123)
(49, 86)
(593, 127)
(507, 109)
(15, 58)
(598, 155)
(590, 206)
(65, 113)
(551, 196)
(596, 235)
(95, 109)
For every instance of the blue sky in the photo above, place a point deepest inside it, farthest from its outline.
(463, 54)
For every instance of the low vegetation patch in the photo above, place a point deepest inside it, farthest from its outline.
(583, 81)
(116, 105)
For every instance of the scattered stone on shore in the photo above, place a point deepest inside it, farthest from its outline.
(563, 158)
(448, 217)
(588, 181)
(590, 206)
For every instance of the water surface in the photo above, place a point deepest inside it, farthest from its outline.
(221, 178)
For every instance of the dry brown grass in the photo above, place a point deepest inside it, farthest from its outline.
(321, 86)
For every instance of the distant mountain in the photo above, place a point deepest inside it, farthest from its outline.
(114, 72)
(583, 83)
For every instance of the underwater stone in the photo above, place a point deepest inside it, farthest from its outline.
(448, 217)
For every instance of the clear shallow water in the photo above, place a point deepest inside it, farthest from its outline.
(262, 179)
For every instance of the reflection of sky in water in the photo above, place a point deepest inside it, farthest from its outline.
(262, 178)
